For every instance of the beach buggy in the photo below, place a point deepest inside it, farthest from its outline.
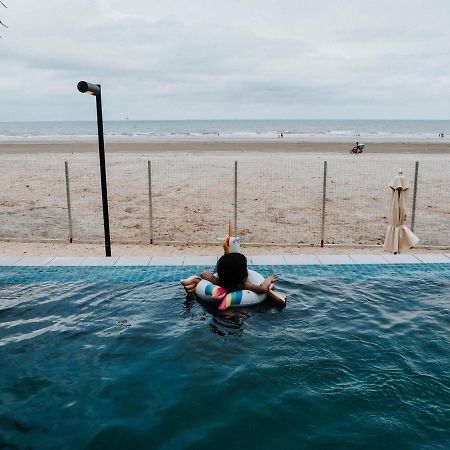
(357, 148)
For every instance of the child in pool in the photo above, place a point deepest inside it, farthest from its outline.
(232, 275)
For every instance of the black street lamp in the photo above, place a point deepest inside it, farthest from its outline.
(95, 89)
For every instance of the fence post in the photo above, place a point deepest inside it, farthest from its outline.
(69, 207)
(150, 199)
(235, 196)
(324, 196)
(413, 214)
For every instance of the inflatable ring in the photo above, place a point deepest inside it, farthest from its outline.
(209, 292)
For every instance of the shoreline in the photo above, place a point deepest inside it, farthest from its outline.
(223, 147)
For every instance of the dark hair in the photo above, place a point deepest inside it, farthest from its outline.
(232, 271)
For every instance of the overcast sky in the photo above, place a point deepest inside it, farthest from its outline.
(192, 59)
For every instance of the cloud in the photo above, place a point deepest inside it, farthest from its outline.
(211, 59)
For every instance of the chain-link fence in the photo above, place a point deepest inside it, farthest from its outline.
(284, 201)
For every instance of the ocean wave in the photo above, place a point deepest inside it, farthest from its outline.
(300, 130)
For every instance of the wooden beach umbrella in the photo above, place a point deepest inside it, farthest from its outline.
(398, 236)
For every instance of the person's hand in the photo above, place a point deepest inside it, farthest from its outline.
(274, 278)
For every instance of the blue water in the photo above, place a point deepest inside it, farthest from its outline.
(332, 130)
(119, 358)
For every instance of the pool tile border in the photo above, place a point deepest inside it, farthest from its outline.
(73, 261)
(401, 259)
(167, 261)
(432, 258)
(37, 261)
(99, 261)
(9, 260)
(369, 259)
(335, 259)
(302, 260)
(268, 260)
(200, 260)
(126, 261)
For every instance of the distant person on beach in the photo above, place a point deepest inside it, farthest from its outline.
(281, 134)
(357, 148)
(233, 274)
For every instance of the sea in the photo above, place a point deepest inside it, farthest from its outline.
(233, 130)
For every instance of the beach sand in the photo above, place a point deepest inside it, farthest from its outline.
(98, 249)
(225, 147)
(280, 188)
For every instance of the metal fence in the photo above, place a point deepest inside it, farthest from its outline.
(284, 201)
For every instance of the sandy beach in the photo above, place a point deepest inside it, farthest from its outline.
(98, 249)
(280, 187)
(226, 147)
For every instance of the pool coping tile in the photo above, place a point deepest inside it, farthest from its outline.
(9, 260)
(433, 258)
(99, 261)
(267, 260)
(37, 261)
(335, 259)
(167, 261)
(302, 260)
(126, 261)
(270, 260)
(200, 260)
(401, 258)
(66, 261)
(368, 259)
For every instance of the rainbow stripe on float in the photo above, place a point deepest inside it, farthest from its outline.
(232, 299)
(214, 291)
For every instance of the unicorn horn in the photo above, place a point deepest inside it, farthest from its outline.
(230, 229)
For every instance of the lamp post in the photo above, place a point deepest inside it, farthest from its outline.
(95, 89)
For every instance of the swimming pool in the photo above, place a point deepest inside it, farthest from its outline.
(118, 357)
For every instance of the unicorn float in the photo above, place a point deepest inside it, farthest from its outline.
(210, 292)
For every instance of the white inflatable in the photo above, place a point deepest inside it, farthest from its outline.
(207, 291)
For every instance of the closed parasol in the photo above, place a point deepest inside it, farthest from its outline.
(398, 236)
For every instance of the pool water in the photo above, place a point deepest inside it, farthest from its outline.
(119, 358)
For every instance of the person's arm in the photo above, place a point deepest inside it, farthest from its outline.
(262, 288)
(208, 276)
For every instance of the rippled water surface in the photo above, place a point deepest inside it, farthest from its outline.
(106, 359)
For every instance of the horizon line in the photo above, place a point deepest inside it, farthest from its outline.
(221, 120)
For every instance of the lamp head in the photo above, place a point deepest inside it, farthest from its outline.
(89, 88)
